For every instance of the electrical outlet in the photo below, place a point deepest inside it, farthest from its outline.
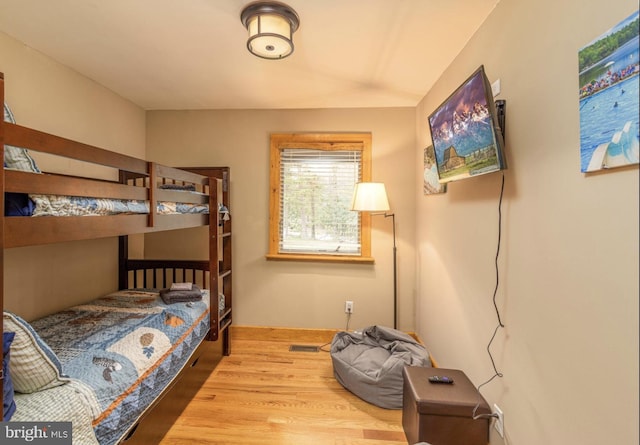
(348, 307)
(499, 423)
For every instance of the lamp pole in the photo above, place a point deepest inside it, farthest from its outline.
(372, 197)
(395, 271)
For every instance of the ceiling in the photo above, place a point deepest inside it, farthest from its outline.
(191, 54)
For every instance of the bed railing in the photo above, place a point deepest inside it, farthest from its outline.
(163, 273)
(131, 179)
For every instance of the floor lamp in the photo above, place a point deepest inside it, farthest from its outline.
(372, 197)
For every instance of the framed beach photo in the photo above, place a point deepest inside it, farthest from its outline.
(609, 116)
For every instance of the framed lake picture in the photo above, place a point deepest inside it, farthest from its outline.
(609, 116)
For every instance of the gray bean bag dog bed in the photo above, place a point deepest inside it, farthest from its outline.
(370, 363)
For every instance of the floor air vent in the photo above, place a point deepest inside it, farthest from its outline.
(304, 348)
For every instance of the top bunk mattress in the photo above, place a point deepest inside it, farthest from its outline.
(20, 204)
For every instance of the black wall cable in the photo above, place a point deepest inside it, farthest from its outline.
(495, 305)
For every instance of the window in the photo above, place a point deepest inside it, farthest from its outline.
(312, 181)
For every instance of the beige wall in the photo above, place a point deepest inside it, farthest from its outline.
(312, 295)
(569, 257)
(50, 97)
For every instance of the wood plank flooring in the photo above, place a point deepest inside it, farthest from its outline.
(264, 394)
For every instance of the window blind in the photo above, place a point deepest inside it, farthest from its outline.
(315, 200)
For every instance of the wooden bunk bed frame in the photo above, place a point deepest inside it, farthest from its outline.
(138, 180)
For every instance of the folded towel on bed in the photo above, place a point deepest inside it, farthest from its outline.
(181, 296)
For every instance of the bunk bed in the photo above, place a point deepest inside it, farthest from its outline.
(142, 197)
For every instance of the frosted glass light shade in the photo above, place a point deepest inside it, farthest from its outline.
(269, 37)
(370, 197)
(270, 26)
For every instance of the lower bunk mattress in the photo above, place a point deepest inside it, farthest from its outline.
(127, 347)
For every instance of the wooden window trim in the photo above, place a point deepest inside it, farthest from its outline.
(327, 141)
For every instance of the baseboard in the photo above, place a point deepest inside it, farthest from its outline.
(291, 334)
(297, 335)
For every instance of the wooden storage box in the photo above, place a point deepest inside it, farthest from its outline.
(442, 414)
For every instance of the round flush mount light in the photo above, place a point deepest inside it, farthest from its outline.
(271, 26)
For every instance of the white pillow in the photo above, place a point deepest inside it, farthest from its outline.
(14, 157)
(33, 365)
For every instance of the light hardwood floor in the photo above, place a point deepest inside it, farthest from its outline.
(264, 394)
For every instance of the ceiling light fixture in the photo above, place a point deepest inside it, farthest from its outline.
(271, 26)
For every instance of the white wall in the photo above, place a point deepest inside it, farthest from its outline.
(569, 256)
(296, 294)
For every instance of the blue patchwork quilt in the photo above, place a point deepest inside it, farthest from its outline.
(127, 346)
(60, 205)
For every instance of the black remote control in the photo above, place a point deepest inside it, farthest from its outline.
(440, 379)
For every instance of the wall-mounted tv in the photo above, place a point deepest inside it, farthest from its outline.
(466, 133)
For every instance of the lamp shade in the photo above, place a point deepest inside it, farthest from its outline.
(271, 26)
(370, 197)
